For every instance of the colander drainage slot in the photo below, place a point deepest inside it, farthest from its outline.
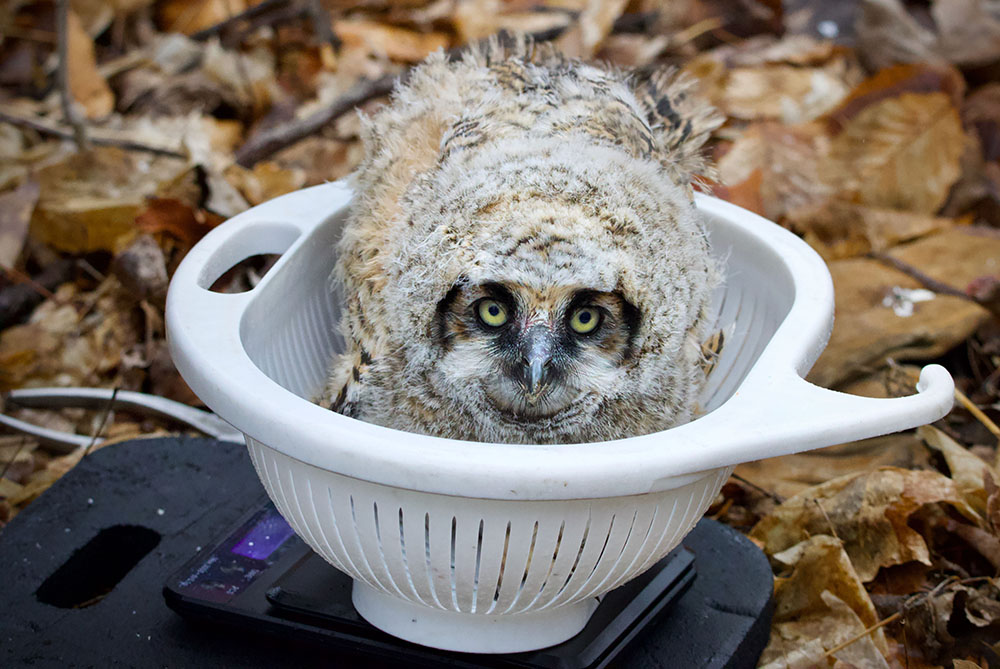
(93, 571)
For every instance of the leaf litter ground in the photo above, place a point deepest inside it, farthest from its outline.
(871, 128)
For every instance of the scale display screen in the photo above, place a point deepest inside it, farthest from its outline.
(264, 538)
(232, 566)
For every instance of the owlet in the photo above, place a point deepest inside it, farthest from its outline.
(523, 261)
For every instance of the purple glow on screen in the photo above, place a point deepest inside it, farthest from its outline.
(264, 538)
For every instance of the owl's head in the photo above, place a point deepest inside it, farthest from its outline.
(532, 292)
(535, 351)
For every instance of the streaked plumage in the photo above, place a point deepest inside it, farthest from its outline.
(523, 261)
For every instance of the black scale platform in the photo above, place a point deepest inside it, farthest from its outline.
(84, 566)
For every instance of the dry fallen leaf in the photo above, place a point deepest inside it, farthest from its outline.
(867, 329)
(190, 16)
(267, 180)
(841, 229)
(86, 84)
(868, 512)
(900, 153)
(590, 29)
(968, 471)
(823, 599)
(389, 41)
(16, 208)
(88, 202)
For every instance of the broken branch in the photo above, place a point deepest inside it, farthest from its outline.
(268, 142)
(121, 143)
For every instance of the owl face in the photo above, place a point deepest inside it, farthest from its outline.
(533, 354)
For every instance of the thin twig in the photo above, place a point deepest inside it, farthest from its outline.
(858, 637)
(828, 521)
(270, 141)
(20, 447)
(773, 495)
(250, 13)
(20, 277)
(977, 413)
(104, 420)
(929, 282)
(882, 623)
(127, 144)
(62, 76)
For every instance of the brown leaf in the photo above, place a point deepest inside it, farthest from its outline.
(89, 201)
(389, 41)
(142, 269)
(16, 208)
(593, 25)
(85, 81)
(868, 330)
(267, 180)
(969, 31)
(956, 257)
(790, 93)
(887, 35)
(790, 475)
(967, 471)
(868, 512)
(190, 16)
(839, 229)
(900, 153)
(789, 161)
(173, 217)
(894, 81)
(822, 599)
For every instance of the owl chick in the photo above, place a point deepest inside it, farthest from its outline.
(523, 261)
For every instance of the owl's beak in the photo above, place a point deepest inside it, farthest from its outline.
(536, 360)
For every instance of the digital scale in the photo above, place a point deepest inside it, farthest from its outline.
(252, 594)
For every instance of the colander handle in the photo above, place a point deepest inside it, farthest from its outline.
(806, 416)
(203, 327)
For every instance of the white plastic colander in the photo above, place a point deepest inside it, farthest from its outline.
(496, 547)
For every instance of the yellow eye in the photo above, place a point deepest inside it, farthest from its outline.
(585, 320)
(492, 313)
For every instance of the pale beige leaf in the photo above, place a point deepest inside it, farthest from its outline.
(967, 470)
(86, 84)
(16, 207)
(791, 94)
(389, 41)
(969, 30)
(900, 153)
(868, 512)
(590, 29)
(867, 331)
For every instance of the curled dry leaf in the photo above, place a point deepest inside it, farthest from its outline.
(967, 471)
(142, 269)
(868, 512)
(789, 93)
(790, 475)
(787, 161)
(823, 599)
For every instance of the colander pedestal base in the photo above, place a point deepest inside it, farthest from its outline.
(462, 632)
